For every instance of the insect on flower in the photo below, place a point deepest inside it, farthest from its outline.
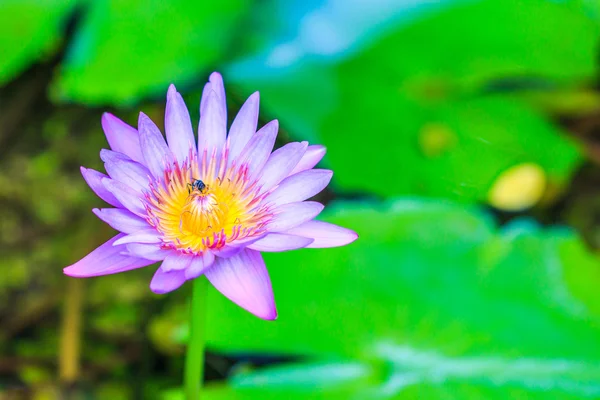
(197, 185)
(247, 199)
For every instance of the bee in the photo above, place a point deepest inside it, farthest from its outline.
(197, 185)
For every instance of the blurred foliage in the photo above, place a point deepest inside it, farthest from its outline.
(466, 322)
(433, 297)
(446, 103)
(126, 50)
(29, 31)
(456, 70)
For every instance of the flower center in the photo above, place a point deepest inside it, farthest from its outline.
(201, 213)
(209, 210)
(196, 209)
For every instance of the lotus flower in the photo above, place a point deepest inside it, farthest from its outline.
(207, 208)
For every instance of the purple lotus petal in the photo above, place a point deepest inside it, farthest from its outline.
(120, 219)
(324, 234)
(290, 215)
(128, 197)
(244, 280)
(311, 157)
(178, 126)
(106, 259)
(203, 100)
(111, 156)
(300, 186)
(176, 261)
(212, 128)
(275, 242)
(230, 250)
(217, 85)
(122, 137)
(94, 180)
(148, 235)
(227, 251)
(165, 282)
(243, 126)
(248, 240)
(208, 213)
(257, 151)
(157, 154)
(199, 265)
(150, 251)
(280, 163)
(129, 172)
(208, 258)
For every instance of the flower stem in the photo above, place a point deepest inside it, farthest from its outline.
(194, 362)
(68, 362)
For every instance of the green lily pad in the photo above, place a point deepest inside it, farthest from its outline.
(456, 150)
(433, 299)
(124, 51)
(31, 36)
(429, 105)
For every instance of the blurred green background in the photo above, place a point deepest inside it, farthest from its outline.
(465, 140)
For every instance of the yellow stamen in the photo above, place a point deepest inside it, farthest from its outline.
(192, 220)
